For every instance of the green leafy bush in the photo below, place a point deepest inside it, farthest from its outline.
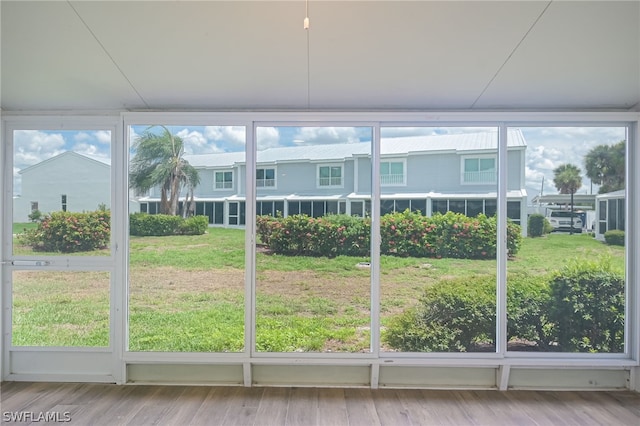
(615, 237)
(194, 225)
(538, 225)
(68, 232)
(329, 236)
(451, 235)
(144, 224)
(35, 216)
(402, 234)
(458, 315)
(587, 307)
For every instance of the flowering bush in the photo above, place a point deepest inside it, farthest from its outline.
(451, 235)
(402, 234)
(68, 232)
(307, 236)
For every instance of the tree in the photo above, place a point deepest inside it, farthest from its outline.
(605, 166)
(567, 180)
(158, 161)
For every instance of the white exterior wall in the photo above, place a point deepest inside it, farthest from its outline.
(84, 181)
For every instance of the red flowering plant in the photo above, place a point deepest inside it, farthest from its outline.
(68, 232)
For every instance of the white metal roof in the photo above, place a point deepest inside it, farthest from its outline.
(478, 141)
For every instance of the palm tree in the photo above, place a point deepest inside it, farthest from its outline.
(158, 161)
(567, 180)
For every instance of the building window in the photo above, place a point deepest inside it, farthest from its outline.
(266, 178)
(479, 170)
(34, 206)
(392, 173)
(63, 198)
(329, 176)
(224, 180)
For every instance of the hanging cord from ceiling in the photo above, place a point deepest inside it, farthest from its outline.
(305, 25)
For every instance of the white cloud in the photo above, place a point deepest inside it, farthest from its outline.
(326, 135)
(103, 137)
(196, 143)
(267, 137)
(34, 146)
(234, 135)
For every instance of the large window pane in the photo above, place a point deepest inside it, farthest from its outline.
(186, 286)
(60, 309)
(566, 286)
(61, 176)
(312, 277)
(438, 260)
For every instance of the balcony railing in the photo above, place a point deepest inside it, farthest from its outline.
(479, 177)
(332, 181)
(266, 183)
(392, 179)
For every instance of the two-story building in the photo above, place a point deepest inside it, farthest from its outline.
(438, 173)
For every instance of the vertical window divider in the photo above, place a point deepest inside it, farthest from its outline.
(632, 271)
(501, 273)
(375, 245)
(250, 248)
(120, 223)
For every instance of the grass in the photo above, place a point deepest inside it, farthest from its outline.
(187, 294)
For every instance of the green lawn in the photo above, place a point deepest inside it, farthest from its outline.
(187, 294)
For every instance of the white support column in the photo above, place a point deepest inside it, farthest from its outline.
(632, 322)
(501, 287)
(250, 249)
(375, 242)
(502, 379)
(246, 373)
(120, 223)
(375, 375)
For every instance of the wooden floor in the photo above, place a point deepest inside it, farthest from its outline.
(98, 404)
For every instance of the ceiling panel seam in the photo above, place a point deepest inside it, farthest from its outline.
(104, 49)
(513, 51)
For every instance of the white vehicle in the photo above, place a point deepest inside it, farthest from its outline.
(561, 220)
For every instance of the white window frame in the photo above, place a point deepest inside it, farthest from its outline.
(500, 370)
(390, 161)
(275, 177)
(223, 171)
(330, 165)
(463, 160)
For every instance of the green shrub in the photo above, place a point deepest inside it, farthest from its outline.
(35, 216)
(459, 315)
(538, 225)
(402, 234)
(615, 237)
(329, 236)
(450, 235)
(144, 224)
(194, 225)
(587, 307)
(68, 232)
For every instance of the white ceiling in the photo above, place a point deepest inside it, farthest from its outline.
(362, 55)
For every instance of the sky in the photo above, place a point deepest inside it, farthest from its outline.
(547, 147)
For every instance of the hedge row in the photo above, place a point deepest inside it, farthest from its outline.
(450, 235)
(69, 232)
(578, 309)
(615, 237)
(143, 224)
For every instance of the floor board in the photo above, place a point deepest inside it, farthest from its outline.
(102, 404)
